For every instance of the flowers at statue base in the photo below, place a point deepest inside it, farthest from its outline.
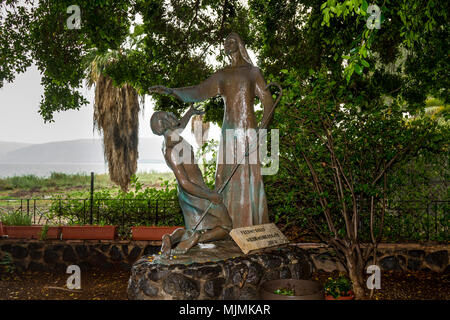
(338, 287)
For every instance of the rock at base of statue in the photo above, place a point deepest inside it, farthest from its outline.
(258, 237)
(221, 272)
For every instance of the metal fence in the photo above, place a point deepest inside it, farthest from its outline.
(412, 220)
(123, 213)
(404, 220)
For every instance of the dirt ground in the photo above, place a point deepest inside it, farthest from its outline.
(112, 285)
(95, 285)
(405, 285)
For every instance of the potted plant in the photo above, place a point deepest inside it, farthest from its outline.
(285, 291)
(88, 232)
(151, 232)
(291, 289)
(18, 225)
(339, 289)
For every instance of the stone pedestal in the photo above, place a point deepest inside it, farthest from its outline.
(222, 272)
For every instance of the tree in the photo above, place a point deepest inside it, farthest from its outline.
(116, 110)
(342, 122)
(336, 167)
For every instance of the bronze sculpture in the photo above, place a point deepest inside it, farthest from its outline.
(193, 194)
(238, 84)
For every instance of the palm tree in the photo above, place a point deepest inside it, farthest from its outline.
(116, 112)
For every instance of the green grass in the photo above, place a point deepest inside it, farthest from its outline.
(28, 182)
(16, 219)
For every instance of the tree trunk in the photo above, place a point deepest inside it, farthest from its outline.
(355, 273)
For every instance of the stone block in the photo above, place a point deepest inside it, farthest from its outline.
(69, 255)
(438, 259)
(390, 263)
(19, 252)
(50, 256)
(213, 287)
(180, 287)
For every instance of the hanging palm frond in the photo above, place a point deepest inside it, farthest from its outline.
(116, 112)
(116, 116)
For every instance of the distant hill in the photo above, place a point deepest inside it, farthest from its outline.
(76, 151)
(6, 147)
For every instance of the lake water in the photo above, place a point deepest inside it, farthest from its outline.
(45, 169)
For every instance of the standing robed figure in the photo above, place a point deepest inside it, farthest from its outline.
(238, 84)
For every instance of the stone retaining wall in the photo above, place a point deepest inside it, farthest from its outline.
(397, 257)
(39, 255)
(57, 255)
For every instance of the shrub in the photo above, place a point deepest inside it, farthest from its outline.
(139, 206)
(16, 218)
(7, 264)
(340, 286)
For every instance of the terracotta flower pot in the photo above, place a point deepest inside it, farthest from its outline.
(150, 233)
(89, 232)
(54, 233)
(30, 232)
(304, 289)
(23, 232)
(349, 296)
(2, 233)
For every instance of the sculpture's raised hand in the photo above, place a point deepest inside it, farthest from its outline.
(160, 89)
(196, 111)
(163, 90)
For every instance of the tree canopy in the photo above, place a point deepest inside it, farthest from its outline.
(406, 59)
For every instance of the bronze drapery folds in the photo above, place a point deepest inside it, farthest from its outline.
(238, 84)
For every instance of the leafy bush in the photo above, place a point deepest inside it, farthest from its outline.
(340, 286)
(7, 264)
(139, 206)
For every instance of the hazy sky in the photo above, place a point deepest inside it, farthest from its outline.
(21, 122)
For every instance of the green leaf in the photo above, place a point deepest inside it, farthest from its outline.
(364, 7)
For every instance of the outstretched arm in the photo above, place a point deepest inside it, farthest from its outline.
(207, 89)
(265, 96)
